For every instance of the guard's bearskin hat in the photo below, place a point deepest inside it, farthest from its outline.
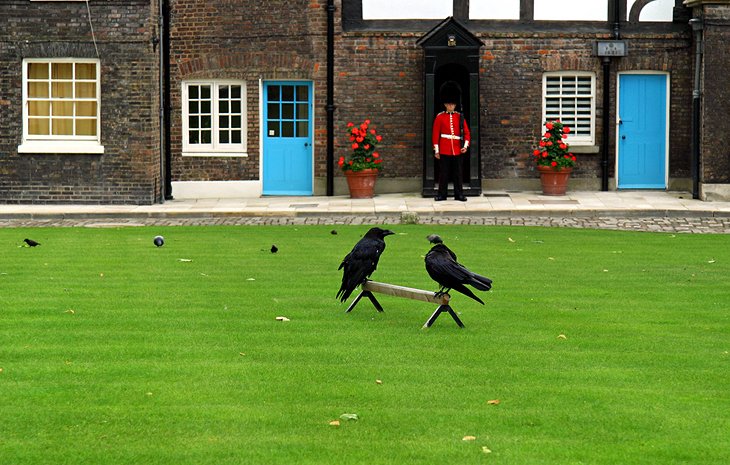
(450, 92)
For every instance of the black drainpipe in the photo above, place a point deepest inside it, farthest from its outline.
(697, 27)
(164, 91)
(330, 97)
(606, 62)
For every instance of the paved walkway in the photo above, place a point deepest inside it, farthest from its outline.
(633, 210)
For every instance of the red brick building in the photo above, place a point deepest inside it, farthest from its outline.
(135, 101)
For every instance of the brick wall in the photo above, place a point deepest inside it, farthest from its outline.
(715, 144)
(129, 170)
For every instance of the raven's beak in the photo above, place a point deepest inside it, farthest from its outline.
(388, 232)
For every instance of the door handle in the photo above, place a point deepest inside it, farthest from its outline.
(623, 137)
(306, 144)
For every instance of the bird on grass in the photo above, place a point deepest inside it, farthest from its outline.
(274, 248)
(443, 268)
(362, 261)
(159, 241)
(31, 242)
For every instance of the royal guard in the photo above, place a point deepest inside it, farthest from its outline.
(451, 140)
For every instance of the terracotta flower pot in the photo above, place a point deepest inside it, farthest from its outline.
(554, 182)
(361, 183)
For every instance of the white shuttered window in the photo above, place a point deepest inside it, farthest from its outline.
(570, 97)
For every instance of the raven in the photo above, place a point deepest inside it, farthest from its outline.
(159, 241)
(360, 263)
(443, 268)
(31, 242)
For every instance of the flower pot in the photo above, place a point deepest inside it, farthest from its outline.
(554, 182)
(361, 183)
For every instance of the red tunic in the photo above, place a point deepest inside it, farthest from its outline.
(447, 132)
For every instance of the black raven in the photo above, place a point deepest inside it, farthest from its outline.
(159, 241)
(360, 263)
(274, 248)
(443, 268)
(31, 242)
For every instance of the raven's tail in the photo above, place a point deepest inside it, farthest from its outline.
(465, 290)
(480, 282)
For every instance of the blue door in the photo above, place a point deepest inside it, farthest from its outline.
(287, 142)
(642, 131)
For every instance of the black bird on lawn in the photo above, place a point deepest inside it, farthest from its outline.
(443, 268)
(360, 263)
(31, 242)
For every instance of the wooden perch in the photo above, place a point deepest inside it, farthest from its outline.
(368, 287)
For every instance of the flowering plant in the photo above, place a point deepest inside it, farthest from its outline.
(552, 149)
(363, 140)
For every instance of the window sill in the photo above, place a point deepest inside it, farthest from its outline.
(584, 149)
(61, 147)
(215, 154)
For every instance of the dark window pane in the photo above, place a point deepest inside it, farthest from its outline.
(236, 91)
(194, 137)
(302, 111)
(302, 94)
(223, 122)
(236, 137)
(205, 137)
(205, 92)
(223, 107)
(194, 107)
(206, 122)
(235, 106)
(223, 137)
(287, 111)
(287, 129)
(287, 93)
(205, 106)
(194, 92)
(223, 92)
(273, 129)
(193, 122)
(273, 111)
(302, 129)
(235, 122)
(273, 93)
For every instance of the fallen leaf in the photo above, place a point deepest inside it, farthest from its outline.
(251, 279)
(469, 438)
(486, 450)
(184, 260)
(70, 311)
(349, 416)
(241, 354)
(605, 270)
(551, 258)
(510, 239)
(562, 336)
(282, 318)
(1, 370)
(378, 381)
(711, 261)
(101, 275)
(335, 423)
(493, 402)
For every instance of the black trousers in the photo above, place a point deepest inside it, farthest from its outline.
(450, 170)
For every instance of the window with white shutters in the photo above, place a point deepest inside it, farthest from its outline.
(570, 97)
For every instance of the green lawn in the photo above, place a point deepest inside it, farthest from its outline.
(601, 347)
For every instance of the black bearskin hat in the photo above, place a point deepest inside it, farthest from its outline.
(450, 92)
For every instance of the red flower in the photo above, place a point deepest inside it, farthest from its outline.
(355, 130)
(367, 147)
(368, 159)
(563, 146)
(566, 129)
(547, 135)
(542, 143)
(341, 161)
(349, 125)
(378, 161)
(367, 121)
(549, 126)
(378, 138)
(554, 163)
(376, 155)
(354, 147)
(360, 139)
(536, 152)
(372, 131)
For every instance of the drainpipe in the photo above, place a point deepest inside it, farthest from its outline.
(697, 27)
(606, 63)
(164, 94)
(330, 97)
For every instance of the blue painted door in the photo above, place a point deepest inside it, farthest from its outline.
(642, 131)
(287, 142)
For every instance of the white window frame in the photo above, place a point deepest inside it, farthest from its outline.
(583, 133)
(61, 143)
(215, 148)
